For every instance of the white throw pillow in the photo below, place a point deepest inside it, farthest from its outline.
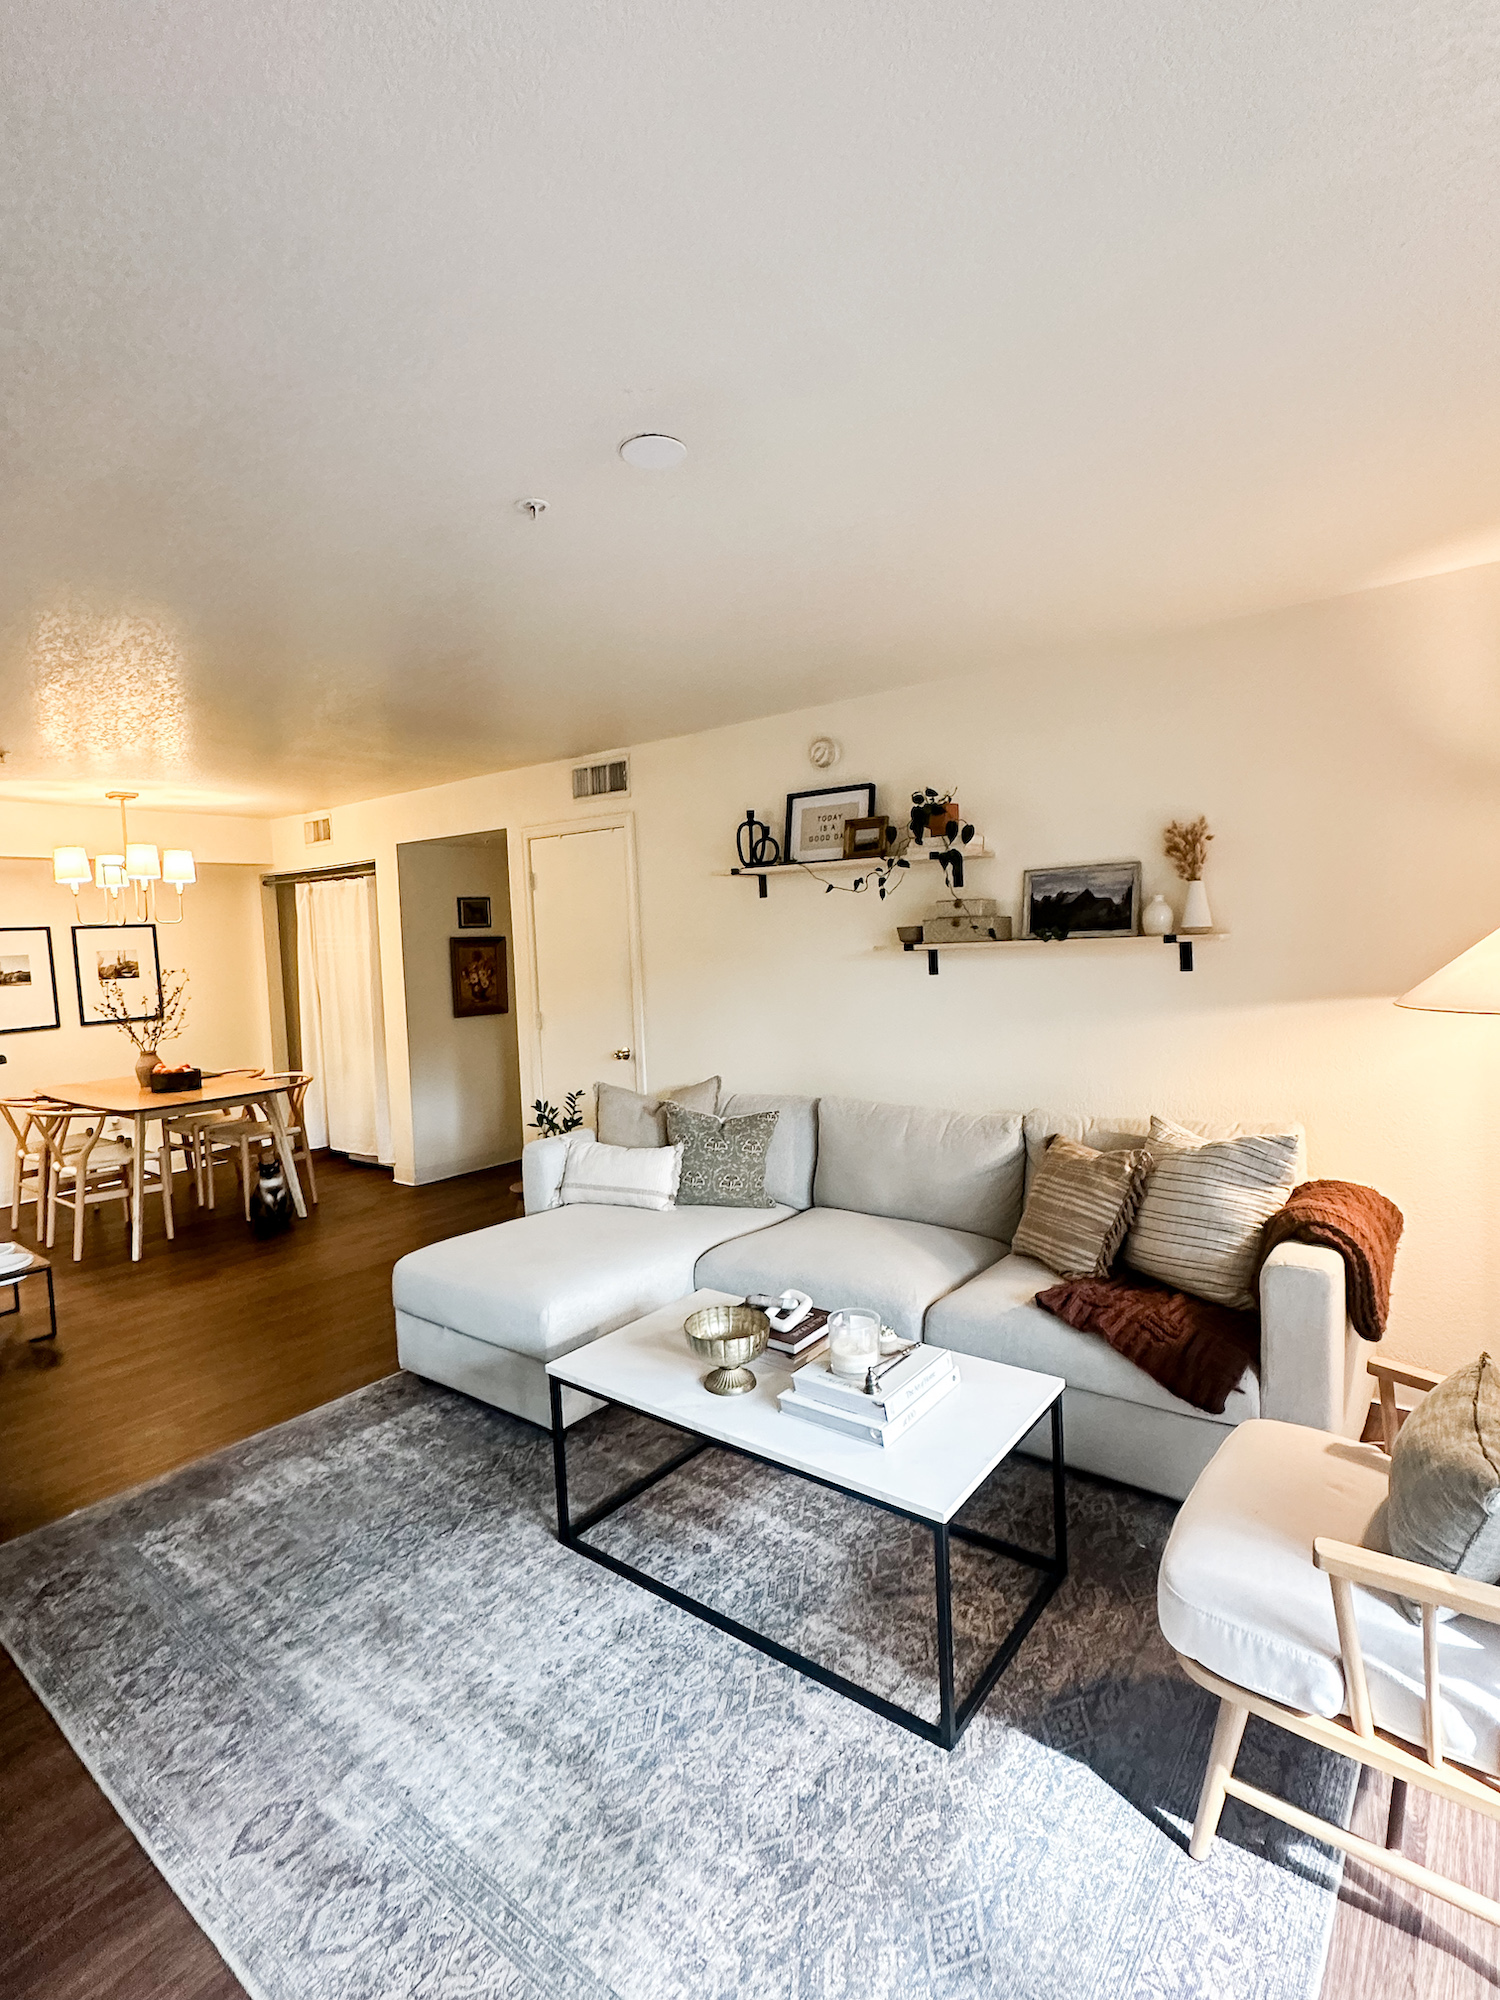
(622, 1176)
(1199, 1224)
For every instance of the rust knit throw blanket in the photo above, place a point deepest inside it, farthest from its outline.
(1196, 1350)
(1362, 1226)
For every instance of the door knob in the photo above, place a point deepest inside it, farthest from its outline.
(622, 1055)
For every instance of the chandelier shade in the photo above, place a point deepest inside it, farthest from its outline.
(142, 862)
(177, 866)
(70, 867)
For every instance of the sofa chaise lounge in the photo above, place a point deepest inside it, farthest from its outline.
(904, 1209)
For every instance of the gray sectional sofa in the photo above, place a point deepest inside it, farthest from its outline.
(904, 1209)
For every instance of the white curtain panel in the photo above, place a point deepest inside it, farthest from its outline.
(343, 1018)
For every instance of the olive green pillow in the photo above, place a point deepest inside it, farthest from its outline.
(723, 1159)
(1443, 1507)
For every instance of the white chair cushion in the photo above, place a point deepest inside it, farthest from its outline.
(843, 1259)
(544, 1284)
(992, 1316)
(1239, 1593)
(955, 1169)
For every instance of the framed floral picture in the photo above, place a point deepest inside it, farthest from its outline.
(479, 983)
(815, 821)
(123, 956)
(28, 980)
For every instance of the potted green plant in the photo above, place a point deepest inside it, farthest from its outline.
(935, 817)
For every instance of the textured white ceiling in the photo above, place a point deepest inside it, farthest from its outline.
(985, 324)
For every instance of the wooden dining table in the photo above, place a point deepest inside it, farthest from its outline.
(123, 1097)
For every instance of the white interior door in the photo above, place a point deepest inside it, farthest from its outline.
(582, 926)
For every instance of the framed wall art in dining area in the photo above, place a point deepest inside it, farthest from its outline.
(479, 981)
(474, 913)
(28, 980)
(124, 955)
(815, 820)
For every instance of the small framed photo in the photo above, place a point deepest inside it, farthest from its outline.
(865, 839)
(124, 958)
(1099, 899)
(815, 821)
(479, 982)
(28, 980)
(473, 913)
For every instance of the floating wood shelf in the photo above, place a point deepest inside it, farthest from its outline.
(1184, 941)
(975, 851)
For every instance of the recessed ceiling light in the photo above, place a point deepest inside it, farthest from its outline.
(653, 451)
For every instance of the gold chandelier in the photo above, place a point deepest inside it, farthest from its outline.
(128, 879)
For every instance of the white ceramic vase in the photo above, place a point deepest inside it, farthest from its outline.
(1157, 919)
(1196, 915)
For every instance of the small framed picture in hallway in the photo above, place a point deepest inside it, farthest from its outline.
(473, 913)
(479, 982)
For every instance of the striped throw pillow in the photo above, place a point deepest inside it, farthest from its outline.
(1080, 1205)
(1200, 1220)
(620, 1176)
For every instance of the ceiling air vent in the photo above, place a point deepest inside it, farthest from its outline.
(593, 781)
(316, 830)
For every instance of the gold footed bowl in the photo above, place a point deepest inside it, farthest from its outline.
(730, 1336)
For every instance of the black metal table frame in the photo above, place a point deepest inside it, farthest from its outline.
(954, 1715)
(13, 1284)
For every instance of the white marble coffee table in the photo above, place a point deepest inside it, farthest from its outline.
(925, 1476)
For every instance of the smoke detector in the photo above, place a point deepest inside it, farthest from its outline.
(653, 451)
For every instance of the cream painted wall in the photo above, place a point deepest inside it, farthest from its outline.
(465, 1081)
(219, 943)
(1347, 755)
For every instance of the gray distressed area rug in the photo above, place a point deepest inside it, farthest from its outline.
(385, 1737)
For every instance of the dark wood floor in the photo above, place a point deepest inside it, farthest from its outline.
(206, 1341)
(211, 1339)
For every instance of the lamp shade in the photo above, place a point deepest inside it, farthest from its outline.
(109, 871)
(71, 866)
(177, 866)
(1468, 984)
(142, 862)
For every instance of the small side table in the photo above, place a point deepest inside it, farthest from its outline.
(12, 1281)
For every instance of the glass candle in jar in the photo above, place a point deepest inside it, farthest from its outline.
(853, 1341)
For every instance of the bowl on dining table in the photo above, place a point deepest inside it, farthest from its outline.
(729, 1336)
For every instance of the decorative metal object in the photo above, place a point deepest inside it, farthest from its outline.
(729, 1336)
(755, 843)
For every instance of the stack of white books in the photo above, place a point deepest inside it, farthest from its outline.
(901, 1396)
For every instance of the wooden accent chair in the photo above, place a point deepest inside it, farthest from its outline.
(1272, 1603)
(86, 1176)
(233, 1135)
(37, 1126)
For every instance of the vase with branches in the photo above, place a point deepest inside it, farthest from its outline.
(1186, 847)
(148, 1032)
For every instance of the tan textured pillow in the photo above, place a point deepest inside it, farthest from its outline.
(626, 1118)
(1200, 1220)
(1080, 1206)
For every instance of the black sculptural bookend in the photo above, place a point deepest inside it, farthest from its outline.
(755, 843)
(270, 1200)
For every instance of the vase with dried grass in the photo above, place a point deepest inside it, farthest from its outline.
(1186, 847)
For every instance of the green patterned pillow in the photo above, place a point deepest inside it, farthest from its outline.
(723, 1159)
